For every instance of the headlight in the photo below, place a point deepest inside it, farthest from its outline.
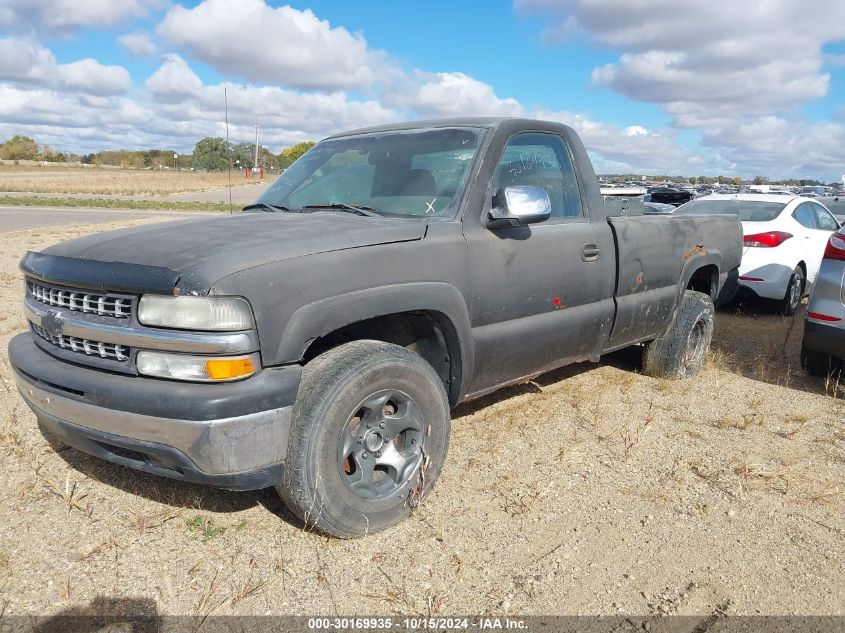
(196, 368)
(196, 313)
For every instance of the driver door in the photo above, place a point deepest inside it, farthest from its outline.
(542, 295)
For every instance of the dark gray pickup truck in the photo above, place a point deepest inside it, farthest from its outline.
(317, 341)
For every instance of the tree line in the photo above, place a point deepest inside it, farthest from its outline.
(210, 153)
(215, 154)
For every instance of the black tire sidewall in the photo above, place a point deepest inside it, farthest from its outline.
(336, 509)
(786, 306)
(704, 313)
(664, 356)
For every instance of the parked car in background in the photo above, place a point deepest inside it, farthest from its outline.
(669, 195)
(823, 346)
(784, 240)
(814, 191)
(658, 208)
(836, 205)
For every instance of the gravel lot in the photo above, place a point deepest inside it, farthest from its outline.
(593, 490)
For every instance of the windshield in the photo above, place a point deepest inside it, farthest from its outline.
(747, 210)
(419, 172)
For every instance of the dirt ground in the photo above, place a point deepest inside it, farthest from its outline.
(592, 490)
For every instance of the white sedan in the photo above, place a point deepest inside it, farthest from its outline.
(784, 240)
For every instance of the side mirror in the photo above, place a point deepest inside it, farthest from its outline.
(518, 206)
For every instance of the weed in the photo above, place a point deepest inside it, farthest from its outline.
(69, 494)
(140, 523)
(799, 420)
(249, 589)
(826, 495)
(206, 607)
(631, 439)
(521, 501)
(743, 423)
(109, 544)
(204, 527)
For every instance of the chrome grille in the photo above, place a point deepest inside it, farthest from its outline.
(80, 300)
(110, 351)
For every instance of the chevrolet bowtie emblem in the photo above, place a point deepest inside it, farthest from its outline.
(52, 323)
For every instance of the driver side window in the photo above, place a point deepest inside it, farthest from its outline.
(541, 160)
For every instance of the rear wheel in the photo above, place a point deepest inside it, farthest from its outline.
(682, 351)
(794, 292)
(819, 364)
(369, 435)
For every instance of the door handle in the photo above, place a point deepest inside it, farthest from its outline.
(590, 252)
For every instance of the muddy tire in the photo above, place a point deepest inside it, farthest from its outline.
(682, 351)
(788, 306)
(369, 436)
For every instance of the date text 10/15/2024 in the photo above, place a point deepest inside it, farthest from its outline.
(416, 624)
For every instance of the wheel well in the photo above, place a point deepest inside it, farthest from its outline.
(429, 334)
(803, 269)
(706, 280)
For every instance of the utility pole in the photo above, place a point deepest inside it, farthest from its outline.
(255, 162)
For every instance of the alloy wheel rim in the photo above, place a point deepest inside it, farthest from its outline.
(381, 445)
(795, 292)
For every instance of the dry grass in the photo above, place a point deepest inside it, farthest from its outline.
(113, 181)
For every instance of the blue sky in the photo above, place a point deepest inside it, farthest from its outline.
(683, 87)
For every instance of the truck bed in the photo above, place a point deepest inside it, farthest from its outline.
(652, 253)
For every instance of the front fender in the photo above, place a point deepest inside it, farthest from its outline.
(319, 318)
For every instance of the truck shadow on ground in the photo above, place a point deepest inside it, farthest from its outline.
(171, 492)
(103, 613)
(628, 359)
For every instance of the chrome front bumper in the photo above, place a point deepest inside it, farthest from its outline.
(185, 440)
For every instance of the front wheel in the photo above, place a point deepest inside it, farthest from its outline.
(369, 436)
(682, 351)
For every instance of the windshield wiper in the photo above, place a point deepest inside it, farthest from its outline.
(273, 208)
(360, 209)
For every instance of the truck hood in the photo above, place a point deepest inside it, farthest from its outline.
(200, 251)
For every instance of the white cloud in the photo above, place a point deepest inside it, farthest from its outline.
(91, 77)
(248, 38)
(777, 146)
(26, 62)
(22, 60)
(706, 60)
(175, 109)
(635, 149)
(138, 44)
(63, 15)
(174, 80)
(450, 95)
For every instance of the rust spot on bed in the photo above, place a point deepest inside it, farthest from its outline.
(695, 250)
